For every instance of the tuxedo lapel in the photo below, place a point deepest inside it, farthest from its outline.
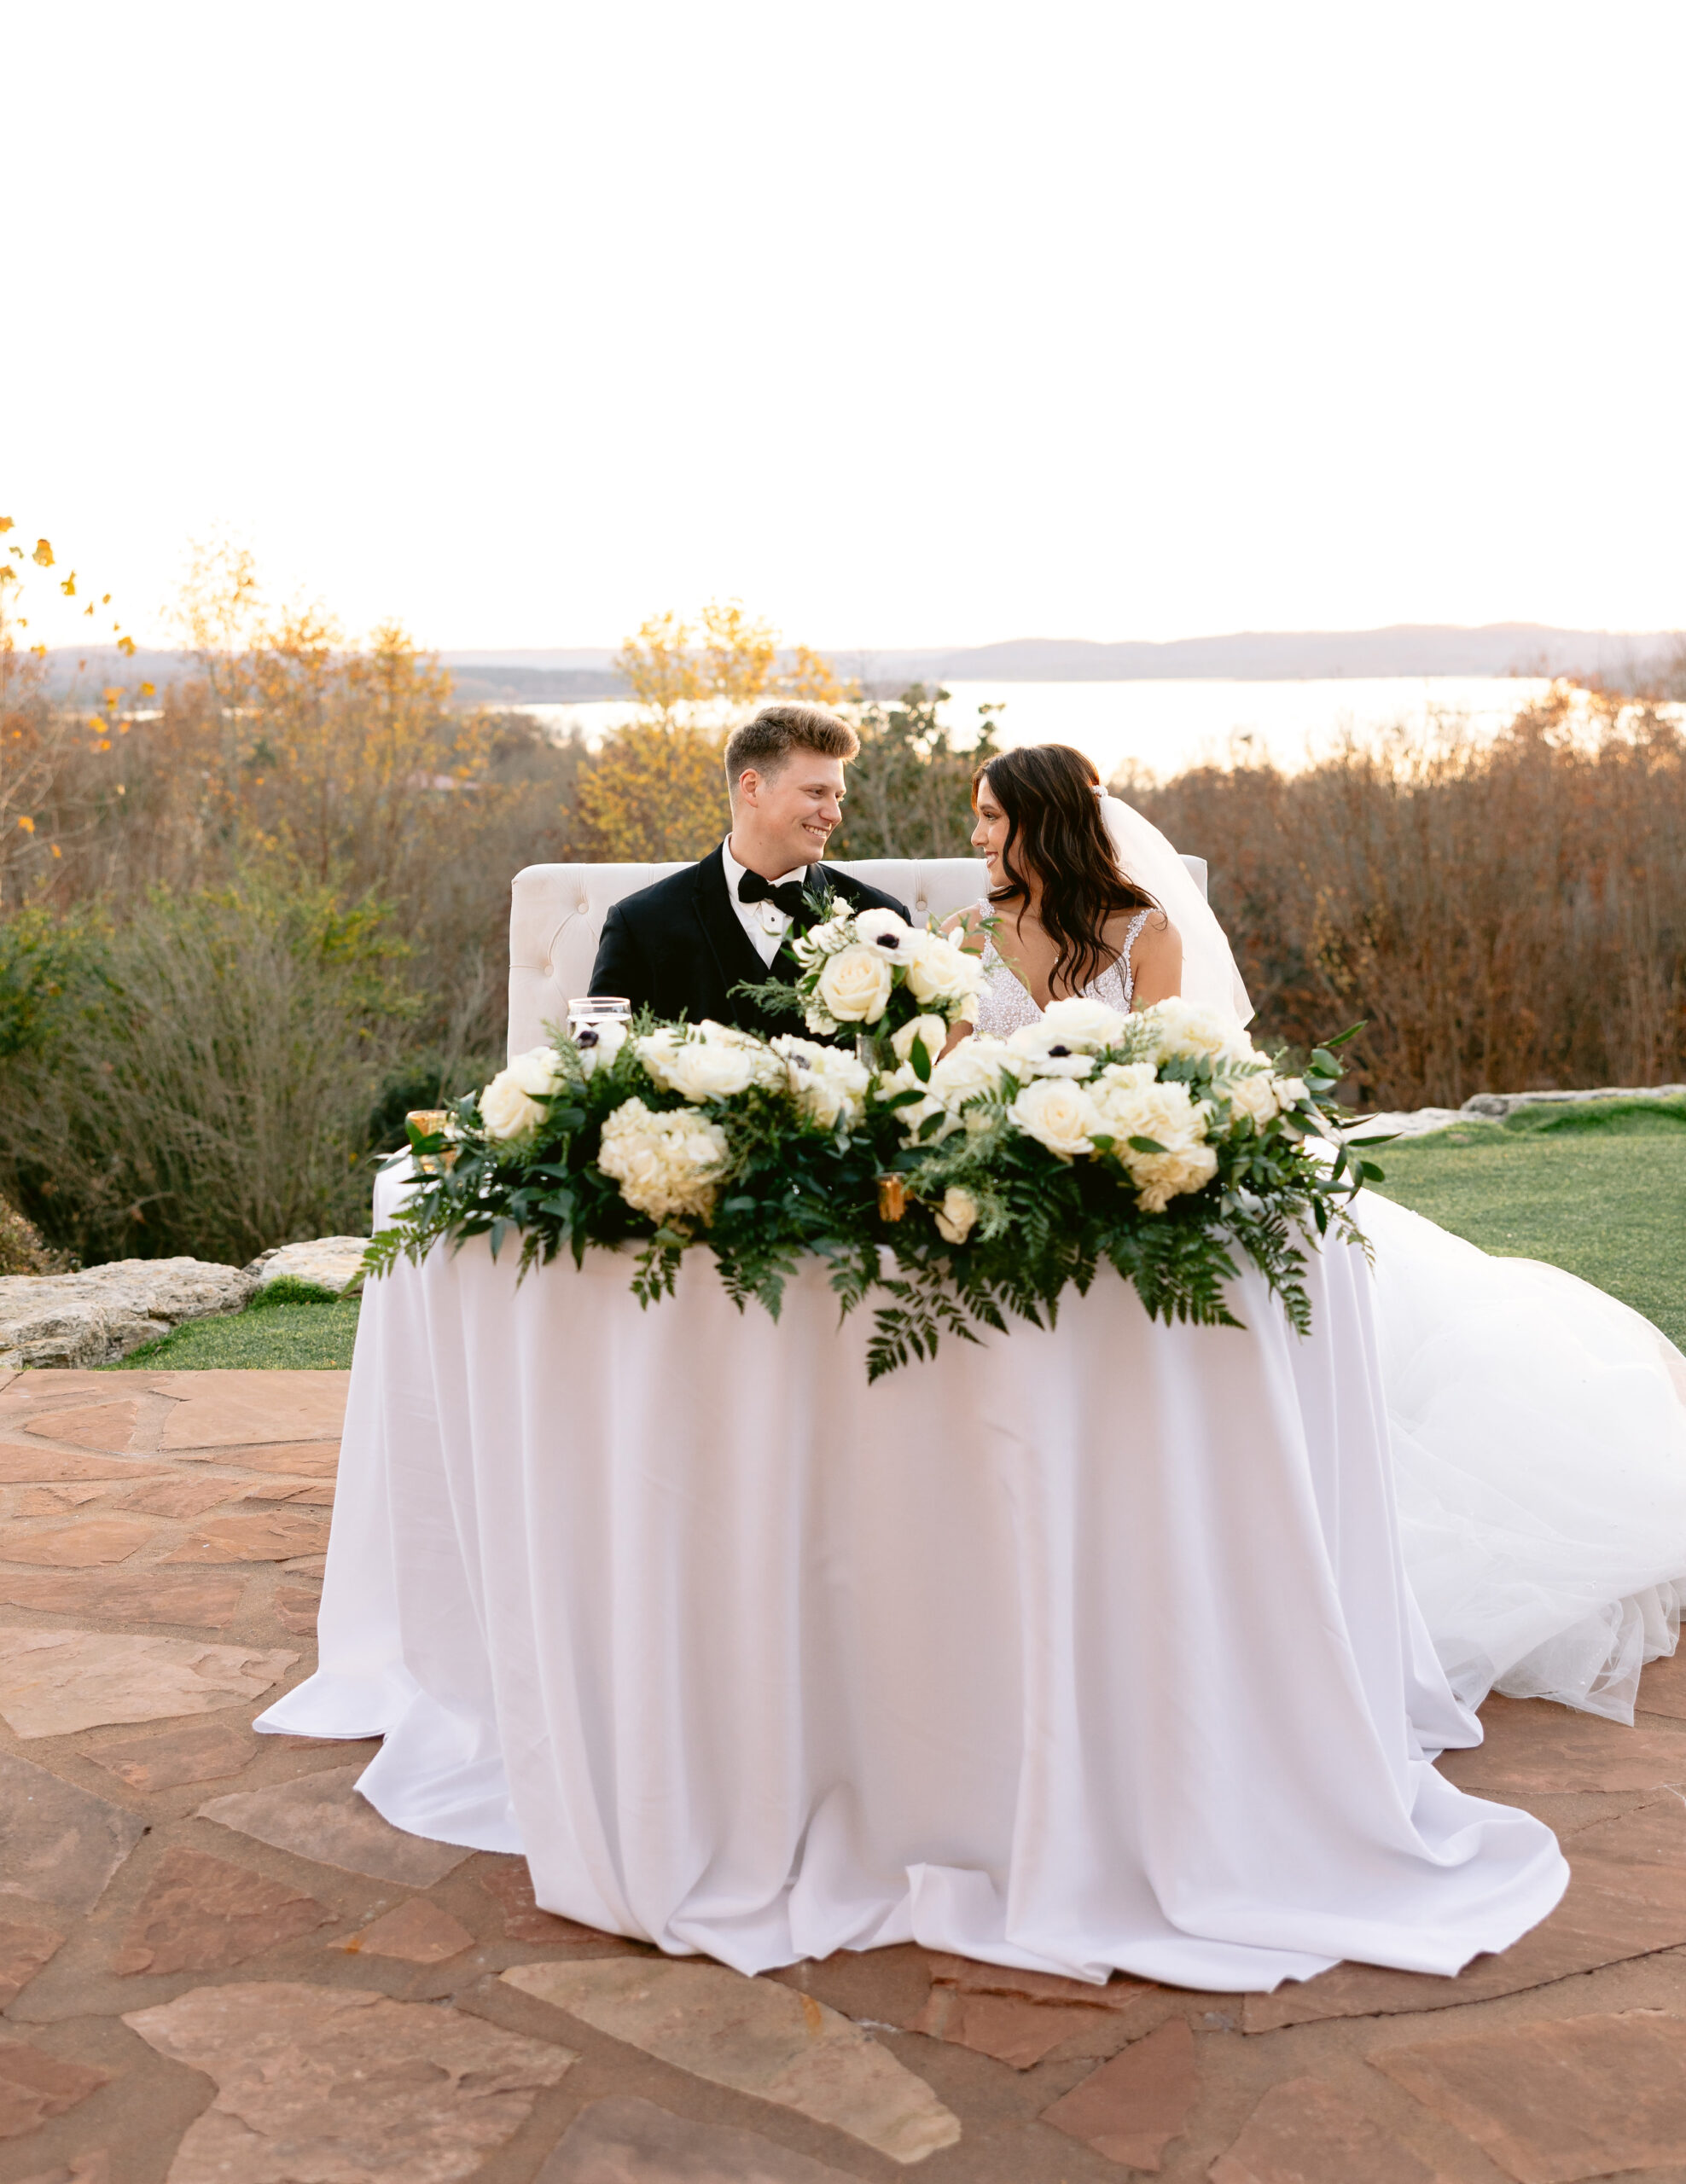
(730, 944)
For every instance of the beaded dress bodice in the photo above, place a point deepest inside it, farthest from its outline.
(1005, 1005)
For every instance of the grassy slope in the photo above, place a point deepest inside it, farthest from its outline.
(300, 1330)
(1569, 1185)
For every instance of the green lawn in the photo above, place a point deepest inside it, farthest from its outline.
(291, 1324)
(1599, 1189)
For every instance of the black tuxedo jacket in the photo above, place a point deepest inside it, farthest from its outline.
(678, 947)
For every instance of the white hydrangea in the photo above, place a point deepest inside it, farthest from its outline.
(509, 1104)
(1059, 1114)
(825, 1080)
(1169, 1115)
(666, 1164)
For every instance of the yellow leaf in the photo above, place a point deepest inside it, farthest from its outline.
(127, 646)
(28, 825)
(69, 587)
(148, 690)
(42, 555)
(57, 852)
(5, 523)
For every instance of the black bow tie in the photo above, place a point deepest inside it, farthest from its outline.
(787, 893)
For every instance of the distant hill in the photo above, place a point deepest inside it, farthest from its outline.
(1501, 648)
(564, 675)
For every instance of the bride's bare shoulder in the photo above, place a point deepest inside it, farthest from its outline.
(1156, 961)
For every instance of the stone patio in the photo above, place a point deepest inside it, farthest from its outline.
(218, 1963)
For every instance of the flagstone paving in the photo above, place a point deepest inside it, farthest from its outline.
(217, 1961)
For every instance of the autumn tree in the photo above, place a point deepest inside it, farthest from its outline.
(656, 790)
(39, 740)
(910, 790)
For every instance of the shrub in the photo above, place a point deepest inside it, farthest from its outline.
(207, 1085)
(1507, 917)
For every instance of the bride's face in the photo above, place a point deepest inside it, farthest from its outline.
(989, 836)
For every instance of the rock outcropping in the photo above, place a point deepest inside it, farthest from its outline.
(332, 1263)
(91, 1318)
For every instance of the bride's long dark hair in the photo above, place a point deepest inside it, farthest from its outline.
(1057, 837)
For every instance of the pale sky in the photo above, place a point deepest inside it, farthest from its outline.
(909, 321)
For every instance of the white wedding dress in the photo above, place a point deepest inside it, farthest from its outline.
(1538, 1426)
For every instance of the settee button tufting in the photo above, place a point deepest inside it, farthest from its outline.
(584, 906)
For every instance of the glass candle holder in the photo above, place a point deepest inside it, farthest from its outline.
(596, 1008)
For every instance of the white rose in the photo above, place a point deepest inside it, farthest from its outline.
(1187, 1028)
(887, 930)
(915, 1111)
(1058, 1114)
(1290, 1090)
(975, 1066)
(940, 969)
(1255, 1092)
(825, 1080)
(509, 1104)
(957, 1215)
(700, 1071)
(856, 984)
(1077, 1022)
(600, 1041)
(710, 1061)
(930, 1031)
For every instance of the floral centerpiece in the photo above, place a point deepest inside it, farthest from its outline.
(955, 1190)
(871, 972)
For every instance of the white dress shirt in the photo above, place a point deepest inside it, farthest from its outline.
(764, 922)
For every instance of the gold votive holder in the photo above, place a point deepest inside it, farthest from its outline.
(892, 1198)
(428, 1122)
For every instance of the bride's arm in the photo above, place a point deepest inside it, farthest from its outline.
(966, 923)
(1157, 962)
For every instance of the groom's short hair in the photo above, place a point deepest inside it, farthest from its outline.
(767, 742)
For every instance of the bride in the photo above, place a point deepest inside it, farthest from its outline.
(1538, 1426)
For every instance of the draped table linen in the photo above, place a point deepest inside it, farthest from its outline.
(1085, 1648)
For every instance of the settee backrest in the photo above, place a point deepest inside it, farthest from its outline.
(556, 914)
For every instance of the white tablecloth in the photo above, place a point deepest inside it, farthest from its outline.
(1085, 1649)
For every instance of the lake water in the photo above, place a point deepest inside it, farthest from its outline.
(1164, 728)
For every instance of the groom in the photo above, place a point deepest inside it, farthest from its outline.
(680, 946)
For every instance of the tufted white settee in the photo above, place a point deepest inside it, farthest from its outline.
(556, 914)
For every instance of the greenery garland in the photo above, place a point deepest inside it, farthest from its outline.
(965, 1190)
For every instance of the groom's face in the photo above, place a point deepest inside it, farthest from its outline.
(784, 818)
